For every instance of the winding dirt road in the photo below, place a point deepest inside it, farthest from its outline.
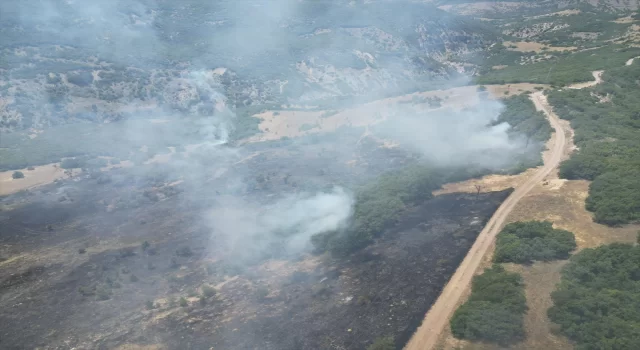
(438, 316)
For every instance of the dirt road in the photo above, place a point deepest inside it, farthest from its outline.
(597, 75)
(438, 316)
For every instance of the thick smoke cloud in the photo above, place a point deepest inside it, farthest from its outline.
(126, 32)
(280, 229)
(455, 138)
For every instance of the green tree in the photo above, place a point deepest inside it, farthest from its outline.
(495, 309)
(525, 242)
(597, 303)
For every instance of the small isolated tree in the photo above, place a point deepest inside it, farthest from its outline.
(17, 175)
(183, 302)
(208, 291)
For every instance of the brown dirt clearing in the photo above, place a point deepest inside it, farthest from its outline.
(287, 123)
(523, 46)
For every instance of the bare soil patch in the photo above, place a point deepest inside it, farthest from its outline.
(597, 76)
(485, 7)
(559, 13)
(624, 20)
(524, 46)
(40, 175)
(288, 123)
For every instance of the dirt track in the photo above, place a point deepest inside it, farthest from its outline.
(438, 316)
(597, 75)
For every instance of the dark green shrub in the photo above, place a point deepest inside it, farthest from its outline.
(597, 302)
(17, 175)
(525, 242)
(184, 252)
(384, 343)
(495, 310)
(71, 163)
(183, 302)
(208, 291)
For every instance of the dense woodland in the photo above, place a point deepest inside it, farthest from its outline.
(597, 303)
(606, 120)
(495, 309)
(525, 242)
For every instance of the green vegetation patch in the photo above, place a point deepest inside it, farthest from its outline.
(495, 310)
(529, 123)
(597, 303)
(606, 120)
(564, 68)
(380, 203)
(524, 242)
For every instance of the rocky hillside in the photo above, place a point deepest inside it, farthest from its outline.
(68, 62)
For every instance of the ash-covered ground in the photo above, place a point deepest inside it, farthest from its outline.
(124, 257)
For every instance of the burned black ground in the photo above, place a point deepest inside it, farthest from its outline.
(75, 271)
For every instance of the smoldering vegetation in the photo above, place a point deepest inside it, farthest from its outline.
(179, 231)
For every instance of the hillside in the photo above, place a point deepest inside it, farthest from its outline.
(298, 174)
(137, 59)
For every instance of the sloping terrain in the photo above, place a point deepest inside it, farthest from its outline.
(287, 174)
(86, 254)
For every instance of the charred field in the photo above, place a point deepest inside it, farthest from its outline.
(123, 257)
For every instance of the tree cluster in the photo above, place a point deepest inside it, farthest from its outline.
(607, 127)
(525, 242)
(379, 205)
(597, 303)
(495, 310)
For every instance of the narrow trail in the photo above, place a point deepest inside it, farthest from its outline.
(438, 316)
(597, 75)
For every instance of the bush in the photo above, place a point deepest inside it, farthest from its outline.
(494, 312)
(208, 291)
(183, 302)
(17, 175)
(597, 302)
(524, 242)
(184, 252)
(149, 305)
(133, 278)
(72, 163)
(385, 343)
(103, 293)
(261, 294)
(83, 78)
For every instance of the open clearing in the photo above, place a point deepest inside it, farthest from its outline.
(524, 46)
(40, 175)
(287, 123)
